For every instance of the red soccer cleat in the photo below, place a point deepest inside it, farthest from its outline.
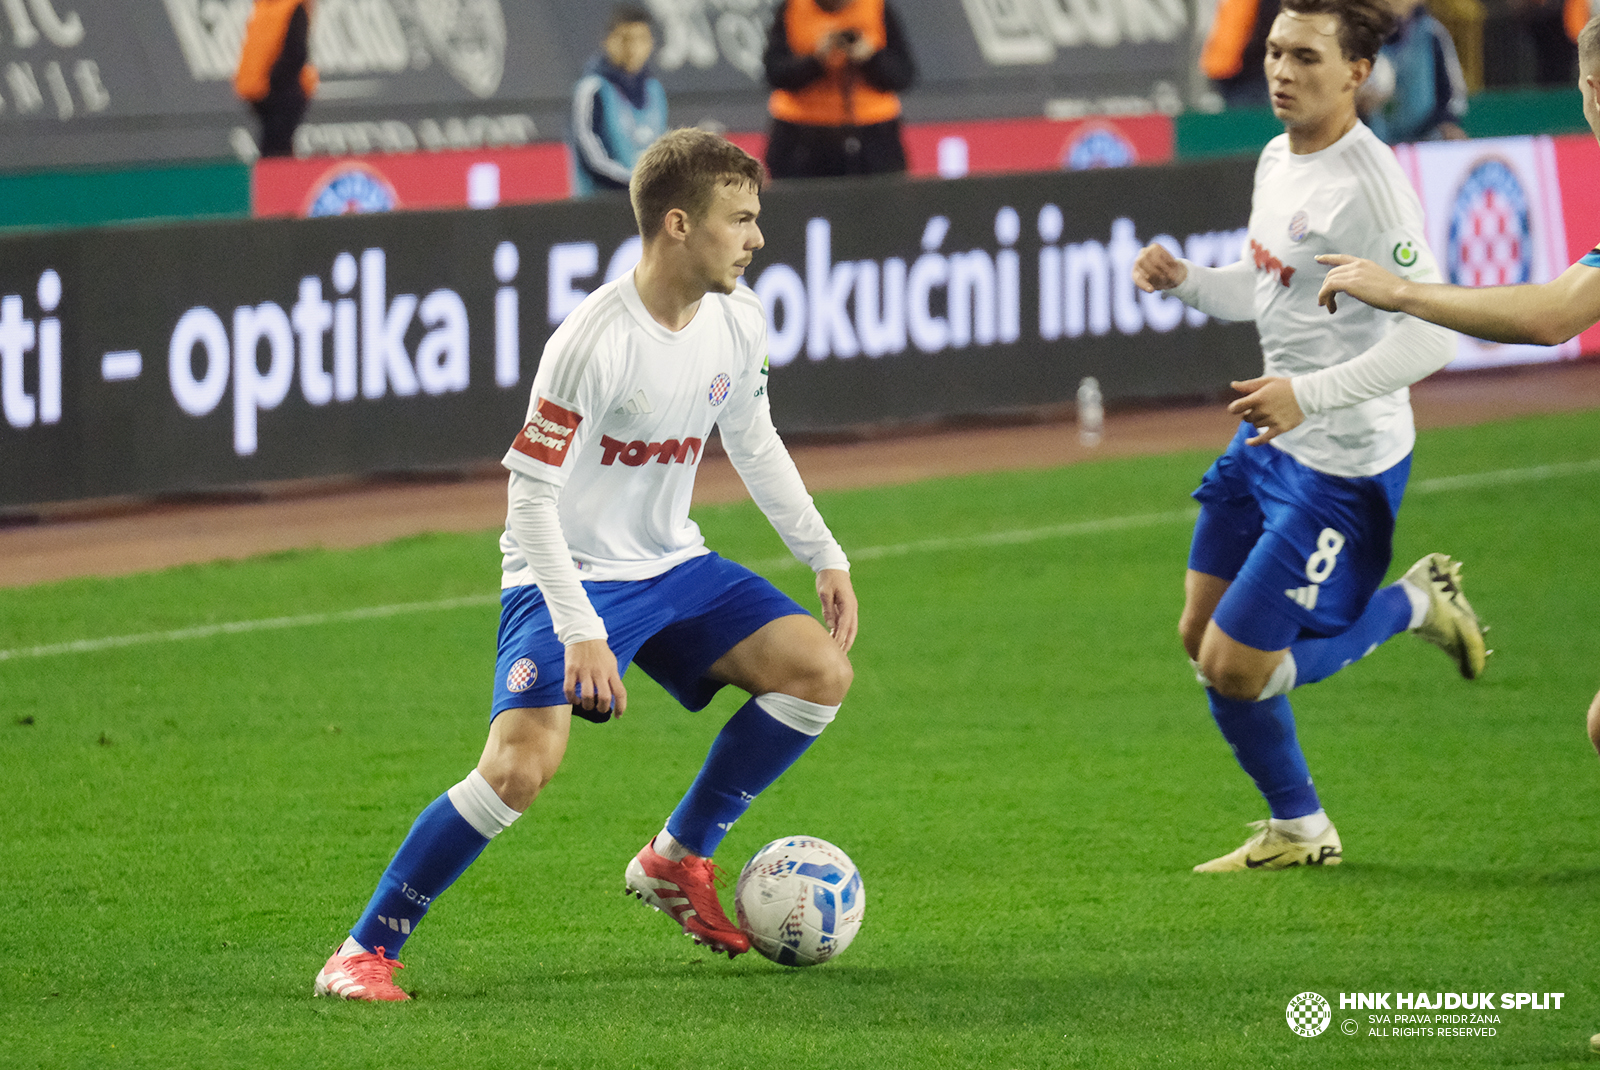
(685, 891)
(368, 977)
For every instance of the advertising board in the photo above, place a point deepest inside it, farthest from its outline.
(107, 81)
(155, 359)
(484, 178)
(1494, 218)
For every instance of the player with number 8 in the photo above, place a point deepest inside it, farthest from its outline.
(1297, 517)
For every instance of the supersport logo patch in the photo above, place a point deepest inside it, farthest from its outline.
(548, 433)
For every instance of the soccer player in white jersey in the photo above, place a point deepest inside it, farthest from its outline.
(1297, 516)
(1546, 313)
(602, 565)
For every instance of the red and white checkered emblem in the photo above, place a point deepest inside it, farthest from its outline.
(1490, 240)
(522, 675)
(719, 389)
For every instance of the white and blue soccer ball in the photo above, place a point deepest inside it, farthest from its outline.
(800, 901)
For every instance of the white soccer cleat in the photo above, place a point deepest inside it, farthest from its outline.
(1269, 848)
(1450, 625)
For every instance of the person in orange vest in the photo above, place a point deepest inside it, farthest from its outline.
(1235, 52)
(275, 75)
(1577, 15)
(836, 68)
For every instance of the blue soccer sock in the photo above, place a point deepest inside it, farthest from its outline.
(442, 843)
(1388, 614)
(765, 737)
(1263, 740)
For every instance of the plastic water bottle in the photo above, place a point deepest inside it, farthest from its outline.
(1091, 412)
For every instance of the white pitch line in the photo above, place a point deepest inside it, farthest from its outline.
(997, 538)
(206, 631)
(1014, 537)
(1473, 480)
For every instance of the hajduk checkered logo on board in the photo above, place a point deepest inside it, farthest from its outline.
(1491, 238)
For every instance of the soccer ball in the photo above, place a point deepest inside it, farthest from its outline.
(800, 901)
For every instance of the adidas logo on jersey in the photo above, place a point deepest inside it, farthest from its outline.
(1305, 596)
(638, 405)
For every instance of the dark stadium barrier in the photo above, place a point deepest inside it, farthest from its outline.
(157, 359)
(109, 81)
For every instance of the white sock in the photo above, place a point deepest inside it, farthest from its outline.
(1420, 604)
(807, 718)
(1303, 828)
(1282, 680)
(350, 947)
(480, 807)
(667, 846)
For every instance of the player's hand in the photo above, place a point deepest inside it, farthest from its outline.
(840, 611)
(1268, 403)
(593, 681)
(1361, 279)
(1157, 269)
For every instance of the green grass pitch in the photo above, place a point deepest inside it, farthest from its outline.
(1025, 772)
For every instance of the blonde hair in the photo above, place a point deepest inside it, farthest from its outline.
(683, 170)
(1589, 46)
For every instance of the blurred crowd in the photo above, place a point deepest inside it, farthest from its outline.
(1441, 51)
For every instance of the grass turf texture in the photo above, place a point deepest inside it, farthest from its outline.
(1025, 772)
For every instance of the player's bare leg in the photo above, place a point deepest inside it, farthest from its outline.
(798, 675)
(1594, 723)
(791, 656)
(523, 752)
(1235, 670)
(1201, 593)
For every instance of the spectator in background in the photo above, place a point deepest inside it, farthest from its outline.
(1577, 14)
(1548, 26)
(275, 74)
(1235, 52)
(1417, 91)
(618, 106)
(836, 68)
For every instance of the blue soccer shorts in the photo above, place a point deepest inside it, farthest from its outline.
(1304, 550)
(673, 626)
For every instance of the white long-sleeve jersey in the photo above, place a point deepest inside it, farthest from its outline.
(1350, 370)
(603, 469)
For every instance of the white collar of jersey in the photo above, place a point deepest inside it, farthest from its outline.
(1350, 137)
(635, 306)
